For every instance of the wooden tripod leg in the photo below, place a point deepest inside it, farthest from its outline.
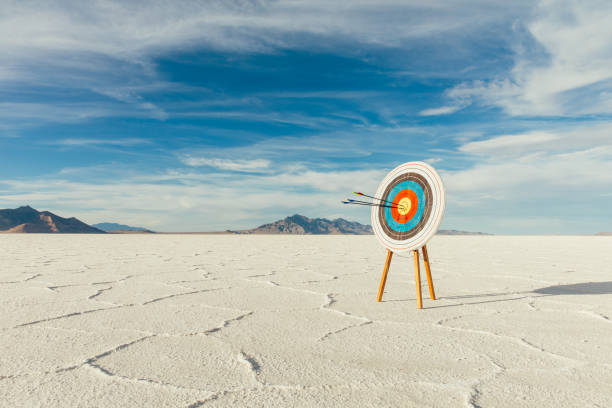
(381, 288)
(432, 293)
(417, 277)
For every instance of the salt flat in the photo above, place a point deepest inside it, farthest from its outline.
(209, 320)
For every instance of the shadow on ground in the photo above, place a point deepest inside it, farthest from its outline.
(588, 288)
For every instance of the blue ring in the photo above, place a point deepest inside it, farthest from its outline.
(405, 185)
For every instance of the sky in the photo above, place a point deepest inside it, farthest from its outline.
(214, 115)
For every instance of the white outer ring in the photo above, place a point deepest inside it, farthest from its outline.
(437, 208)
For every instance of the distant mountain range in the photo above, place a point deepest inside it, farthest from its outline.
(27, 219)
(300, 225)
(120, 228)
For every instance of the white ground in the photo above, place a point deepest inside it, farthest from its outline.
(201, 320)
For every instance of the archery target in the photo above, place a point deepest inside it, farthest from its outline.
(414, 202)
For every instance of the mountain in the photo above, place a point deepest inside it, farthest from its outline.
(298, 224)
(27, 219)
(122, 228)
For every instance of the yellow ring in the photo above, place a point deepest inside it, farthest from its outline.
(403, 207)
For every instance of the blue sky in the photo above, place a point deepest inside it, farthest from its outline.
(228, 114)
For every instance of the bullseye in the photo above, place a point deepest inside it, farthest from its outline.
(404, 206)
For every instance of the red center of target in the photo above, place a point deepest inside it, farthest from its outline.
(414, 204)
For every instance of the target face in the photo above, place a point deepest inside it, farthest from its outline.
(415, 200)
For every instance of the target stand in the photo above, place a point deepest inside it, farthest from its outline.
(417, 276)
(413, 200)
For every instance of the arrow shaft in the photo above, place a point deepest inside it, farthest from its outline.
(393, 205)
(376, 198)
(369, 204)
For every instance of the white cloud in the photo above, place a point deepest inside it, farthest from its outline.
(545, 176)
(256, 165)
(569, 74)
(20, 111)
(443, 110)
(508, 143)
(126, 95)
(137, 28)
(113, 142)
(569, 138)
(267, 116)
(27, 114)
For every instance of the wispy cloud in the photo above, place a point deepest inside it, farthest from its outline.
(443, 110)
(29, 114)
(566, 138)
(256, 165)
(248, 115)
(541, 174)
(70, 112)
(95, 142)
(357, 146)
(509, 143)
(137, 28)
(567, 72)
(127, 95)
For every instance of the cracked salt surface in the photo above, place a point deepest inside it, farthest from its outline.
(197, 321)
